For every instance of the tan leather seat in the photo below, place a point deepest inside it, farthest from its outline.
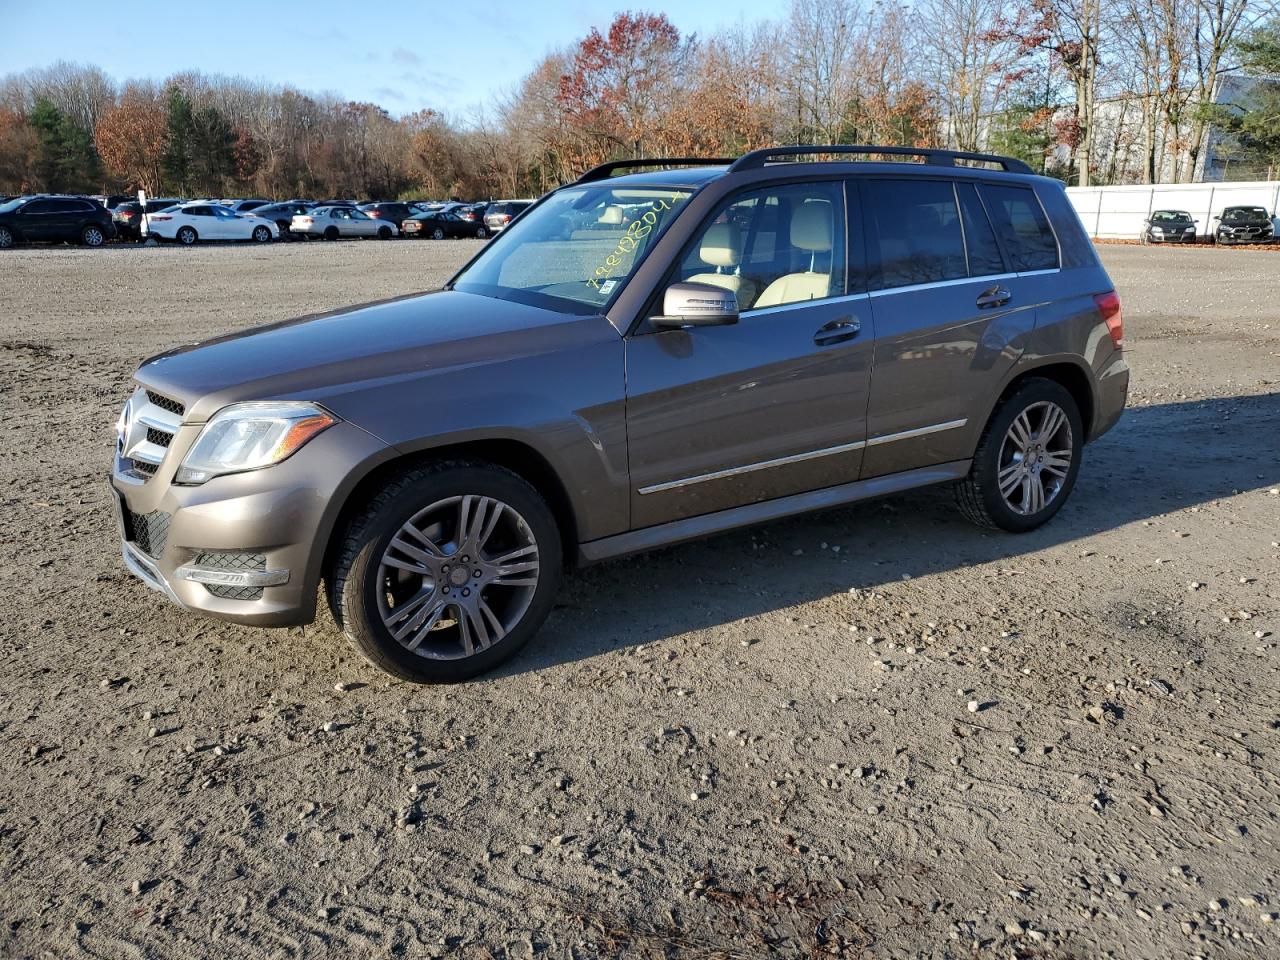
(721, 248)
(810, 230)
(612, 214)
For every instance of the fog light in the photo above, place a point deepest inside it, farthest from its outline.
(232, 578)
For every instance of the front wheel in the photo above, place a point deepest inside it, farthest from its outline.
(261, 234)
(187, 236)
(447, 572)
(1027, 460)
(6, 238)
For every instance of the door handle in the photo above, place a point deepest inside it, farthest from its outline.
(994, 297)
(837, 331)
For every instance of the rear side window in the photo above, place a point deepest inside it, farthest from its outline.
(1075, 246)
(1022, 226)
(914, 232)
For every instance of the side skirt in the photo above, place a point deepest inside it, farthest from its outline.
(695, 528)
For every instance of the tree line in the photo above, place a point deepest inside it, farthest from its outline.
(1028, 78)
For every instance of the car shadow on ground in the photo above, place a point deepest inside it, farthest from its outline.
(1159, 459)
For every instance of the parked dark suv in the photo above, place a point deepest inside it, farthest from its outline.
(54, 219)
(639, 360)
(1244, 225)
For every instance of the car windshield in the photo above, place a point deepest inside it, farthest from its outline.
(13, 204)
(1244, 214)
(575, 249)
(1170, 216)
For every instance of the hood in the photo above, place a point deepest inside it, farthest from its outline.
(321, 357)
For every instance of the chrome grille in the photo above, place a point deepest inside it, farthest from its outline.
(164, 403)
(145, 433)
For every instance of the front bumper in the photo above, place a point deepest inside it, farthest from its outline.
(1246, 235)
(1172, 237)
(176, 538)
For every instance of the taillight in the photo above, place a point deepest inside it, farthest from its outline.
(506, 218)
(375, 213)
(1109, 307)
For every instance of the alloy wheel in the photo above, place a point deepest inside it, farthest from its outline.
(457, 577)
(92, 237)
(1035, 458)
(6, 238)
(261, 234)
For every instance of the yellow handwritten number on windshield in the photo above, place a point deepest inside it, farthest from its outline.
(629, 242)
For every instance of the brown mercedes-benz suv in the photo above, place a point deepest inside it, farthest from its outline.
(640, 359)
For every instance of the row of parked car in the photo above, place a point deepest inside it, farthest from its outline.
(1240, 224)
(92, 221)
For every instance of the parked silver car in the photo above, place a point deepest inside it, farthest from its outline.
(334, 222)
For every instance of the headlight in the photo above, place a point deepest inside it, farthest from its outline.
(249, 436)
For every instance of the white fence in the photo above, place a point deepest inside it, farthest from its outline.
(1109, 212)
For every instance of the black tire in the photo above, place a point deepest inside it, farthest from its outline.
(262, 234)
(384, 233)
(352, 580)
(437, 233)
(331, 233)
(481, 233)
(979, 496)
(187, 236)
(93, 236)
(7, 239)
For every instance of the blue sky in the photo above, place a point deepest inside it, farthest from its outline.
(404, 56)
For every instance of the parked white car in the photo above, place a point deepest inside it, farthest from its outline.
(334, 222)
(189, 222)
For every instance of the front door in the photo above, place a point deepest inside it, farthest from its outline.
(774, 405)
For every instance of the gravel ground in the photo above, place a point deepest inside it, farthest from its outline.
(934, 741)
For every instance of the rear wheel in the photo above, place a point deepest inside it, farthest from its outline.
(1027, 460)
(331, 233)
(187, 236)
(384, 233)
(481, 233)
(92, 236)
(437, 234)
(447, 572)
(6, 238)
(261, 234)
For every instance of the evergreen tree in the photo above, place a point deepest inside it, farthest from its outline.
(66, 161)
(177, 157)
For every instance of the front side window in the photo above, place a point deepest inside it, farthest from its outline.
(779, 245)
(1022, 226)
(576, 249)
(38, 206)
(914, 232)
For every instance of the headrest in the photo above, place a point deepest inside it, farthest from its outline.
(721, 245)
(811, 226)
(612, 214)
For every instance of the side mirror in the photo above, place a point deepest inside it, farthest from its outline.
(697, 305)
(1217, 216)
(1146, 222)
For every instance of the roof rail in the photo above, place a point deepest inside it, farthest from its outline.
(943, 158)
(606, 170)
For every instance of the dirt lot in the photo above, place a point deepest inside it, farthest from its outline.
(753, 745)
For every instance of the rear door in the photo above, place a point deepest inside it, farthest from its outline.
(950, 315)
(775, 404)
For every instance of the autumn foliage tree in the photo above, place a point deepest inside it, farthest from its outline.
(132, 138)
